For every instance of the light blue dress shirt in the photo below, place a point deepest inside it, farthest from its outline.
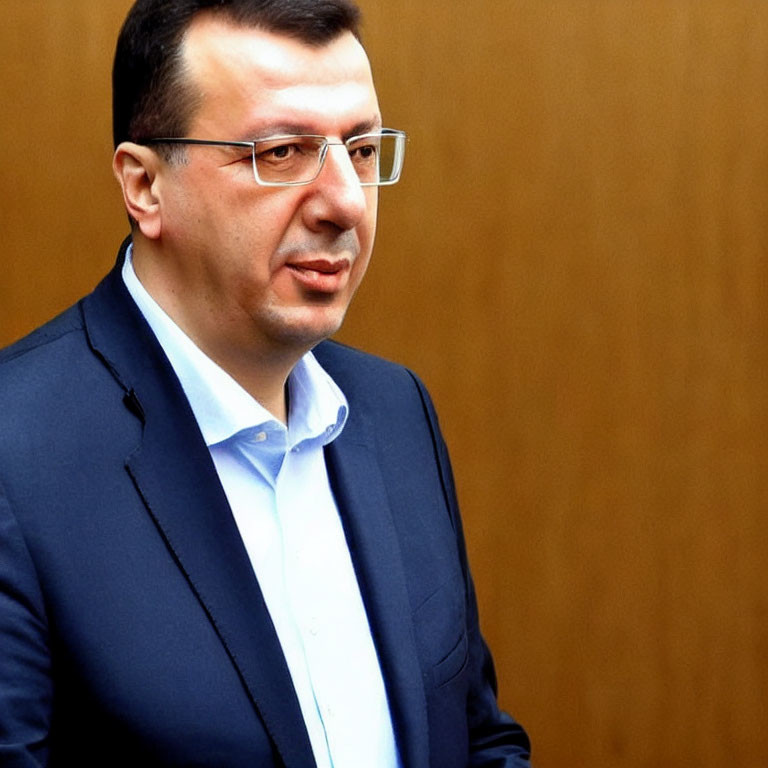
(276, 481)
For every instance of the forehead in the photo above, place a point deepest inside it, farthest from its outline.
(248, 78)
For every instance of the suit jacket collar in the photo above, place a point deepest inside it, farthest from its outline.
(174, 475)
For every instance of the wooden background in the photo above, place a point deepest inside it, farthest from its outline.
(575, 262)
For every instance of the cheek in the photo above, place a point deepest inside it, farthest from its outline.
(361, 265)
(267, 219)
(373, 209)
(366, 233)
(250, 235)
(366, 228)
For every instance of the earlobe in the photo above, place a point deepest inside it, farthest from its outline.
(135, 167)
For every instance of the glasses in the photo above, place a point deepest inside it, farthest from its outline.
(287, 161)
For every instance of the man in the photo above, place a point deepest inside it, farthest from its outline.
(218, 547)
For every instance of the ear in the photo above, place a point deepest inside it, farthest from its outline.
(136, 168)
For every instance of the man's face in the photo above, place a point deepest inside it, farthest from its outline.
(247, 268)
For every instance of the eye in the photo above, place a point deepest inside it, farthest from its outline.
(288, 159)
(363, 151)
(278, 153)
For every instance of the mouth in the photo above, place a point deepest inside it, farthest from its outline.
(320, 275)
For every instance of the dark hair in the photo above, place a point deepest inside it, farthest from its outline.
(150, 96)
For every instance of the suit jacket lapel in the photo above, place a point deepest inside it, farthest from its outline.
(175, 476)
(361, 496)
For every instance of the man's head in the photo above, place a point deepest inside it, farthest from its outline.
(150, 94)
(249, 270)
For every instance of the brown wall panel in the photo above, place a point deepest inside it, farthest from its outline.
(575, 262)
(60, 210)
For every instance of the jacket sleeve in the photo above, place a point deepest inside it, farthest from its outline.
(495, 739)
(25, 680)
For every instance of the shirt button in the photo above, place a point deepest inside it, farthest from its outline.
(260, 437)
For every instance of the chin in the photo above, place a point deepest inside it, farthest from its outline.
(307, 328)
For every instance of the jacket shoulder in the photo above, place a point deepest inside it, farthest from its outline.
(47, 374)
(68, 322)
(354, 370)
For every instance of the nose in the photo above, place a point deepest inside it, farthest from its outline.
(337, 197)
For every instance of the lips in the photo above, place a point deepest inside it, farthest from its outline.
(320, 275)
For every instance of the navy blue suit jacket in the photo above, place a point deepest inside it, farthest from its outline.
(132, 628)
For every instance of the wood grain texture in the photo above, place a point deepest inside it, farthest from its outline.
(575, 262)
(61, 214)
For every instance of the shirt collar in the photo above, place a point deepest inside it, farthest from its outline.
(317, 407)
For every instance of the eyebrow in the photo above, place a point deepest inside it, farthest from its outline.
(300, 129)
(374, 124)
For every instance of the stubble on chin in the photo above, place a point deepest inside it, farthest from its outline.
(300, 328)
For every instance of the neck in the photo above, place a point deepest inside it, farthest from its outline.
(261, 368)
(262, 377)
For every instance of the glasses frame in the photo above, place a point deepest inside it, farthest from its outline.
(400, 137)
